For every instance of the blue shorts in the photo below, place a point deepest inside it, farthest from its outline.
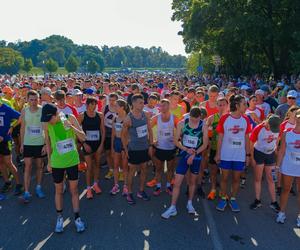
(183, 167)
(118, 147)
(232, 165)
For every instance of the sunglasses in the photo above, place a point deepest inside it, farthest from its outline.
(291, 98)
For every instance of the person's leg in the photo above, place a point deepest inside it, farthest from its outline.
(258, 173)
(176, 188)
(170, 171)
(27, 173)
(124, 164)
(39, 170)
(298, 198)
(131, 172)
(109, 160)
(223, 184)
(89, 172)
(75, 196)
(287, 182)
(270, 181)
(11, 167)
(117, 163)
(213, 176)
(159, 165)
(192, 186)
(143, 176)
(59, 197)
(236, 176)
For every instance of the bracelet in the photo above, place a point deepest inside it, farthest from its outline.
(248, 155)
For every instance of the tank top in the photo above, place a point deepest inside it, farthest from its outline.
(138, 133)
(34, 134)
(118, 127)
(192, 137)
(64, 150)
(91, 127)
(108, 120)
(210, 111)
(165, 133)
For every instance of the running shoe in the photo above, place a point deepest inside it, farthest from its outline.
(96, 188)
(143, 195)
(157, 191)
(130, 199)
(256, 204)
(89, 193)
(298, 221)
(190, 208)
(109, 175)
(222, 204)
(212, 195)
(275, 206)
(201, 192)
(39, 192)
(115, 189)
(18, 190)
(59, 228)
(169, 190)
(280, 217)
(151, 183)
(80, 227)
(6, 187)
(125, 191)
(25, 198)
(121, 176)
(243, 182)
(234, 206)
(171, 211)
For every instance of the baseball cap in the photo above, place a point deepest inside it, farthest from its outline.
(245, 87)
(77, 92)
(292, 93)
(46, 91)
(274, 122)
(280, 84)
(259, 92)
(48, 111)
(265, 88)
(89, 91)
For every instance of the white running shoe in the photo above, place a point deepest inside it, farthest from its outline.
(190, 208)
(298, 221)
(171, 211)
(59, 228)
(280, 217)
(80, 227)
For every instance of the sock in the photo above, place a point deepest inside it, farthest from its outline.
(173, 207)
(26, 192)
(76, 215)
(168, 184)
(59, 213)
(158, 185)
(189, 202)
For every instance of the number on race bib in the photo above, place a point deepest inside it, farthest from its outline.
(34, 131)
(1, 121)
(92, 135)
(65, 146)
(142, 131)
(295, 157)
(190, 141)
(235, 143)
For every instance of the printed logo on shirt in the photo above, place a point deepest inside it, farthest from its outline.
(236, 129)
(270, 138)
(295, 143)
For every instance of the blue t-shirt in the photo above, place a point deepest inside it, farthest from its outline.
(7, 115)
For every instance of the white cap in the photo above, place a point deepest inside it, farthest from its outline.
(292, 93)
(77, 92)
(46, 91)
(259, 92)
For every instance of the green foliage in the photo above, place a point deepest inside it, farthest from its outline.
(72, 64)
(92, 66)
(251, 36)
(27, 65)
(11, 61)
(51, 65)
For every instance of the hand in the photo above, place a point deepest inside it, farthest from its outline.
(1, 139)
(217, 158)
(22, 149)
(87, 148)
(67, 124)
(191, 151)
(10, 130)
(190, 159)
(49, 168)
(126, 153)
(44, 150)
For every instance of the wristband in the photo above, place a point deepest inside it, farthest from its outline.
(248, 155)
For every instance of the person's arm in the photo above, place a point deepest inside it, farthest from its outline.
(153, 121)
(124, 134)
(73, 123)
(205, 140)
(22, 130)
(102, 128)
(282, 149)
(150, 132)
(48, 145)
(113, 134)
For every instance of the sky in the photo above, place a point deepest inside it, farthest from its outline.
(143, 23)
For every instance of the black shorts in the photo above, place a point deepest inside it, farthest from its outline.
(165, 155)
(5, 148)
(264, 159)
(107, 143)
(94, 146)
(33, 151)
(138, 157)
(59, 173)
(16, 131)
(212, 155)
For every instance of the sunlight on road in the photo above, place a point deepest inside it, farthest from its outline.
(254, 242)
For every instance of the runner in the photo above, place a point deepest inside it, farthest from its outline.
(7, 118)
(264, 139)
(165, 149)
(60, 97)
(233, 147)
(92, 124)
(32, 144)
(151, 106)
(78, 101)
(120, 159)
(109, 115)
(254, 113)
(175, 108)
(261, 102)
(289, 161)
(137, 139)
(60, 136)
(192, 139)
(212, 123)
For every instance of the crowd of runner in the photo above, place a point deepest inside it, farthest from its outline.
(186, 128)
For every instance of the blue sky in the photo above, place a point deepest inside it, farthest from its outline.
(142, 23)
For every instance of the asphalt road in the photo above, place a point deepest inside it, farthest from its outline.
(113, 224)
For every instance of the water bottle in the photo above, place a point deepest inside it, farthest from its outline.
(274, 174)
(63, 118)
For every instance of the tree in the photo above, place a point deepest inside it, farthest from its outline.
(92, 67)
(27, 64)
(51, 65)
(72, 64)
(11, 61)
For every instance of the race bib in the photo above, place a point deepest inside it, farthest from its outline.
(166, 133)
(65, 146)
(108, 123)
(235, 142)
(142, 131)
(295, 156)
(1, 121)
(190, 141)
(92, 135)
(34, 130)
(118, 126)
